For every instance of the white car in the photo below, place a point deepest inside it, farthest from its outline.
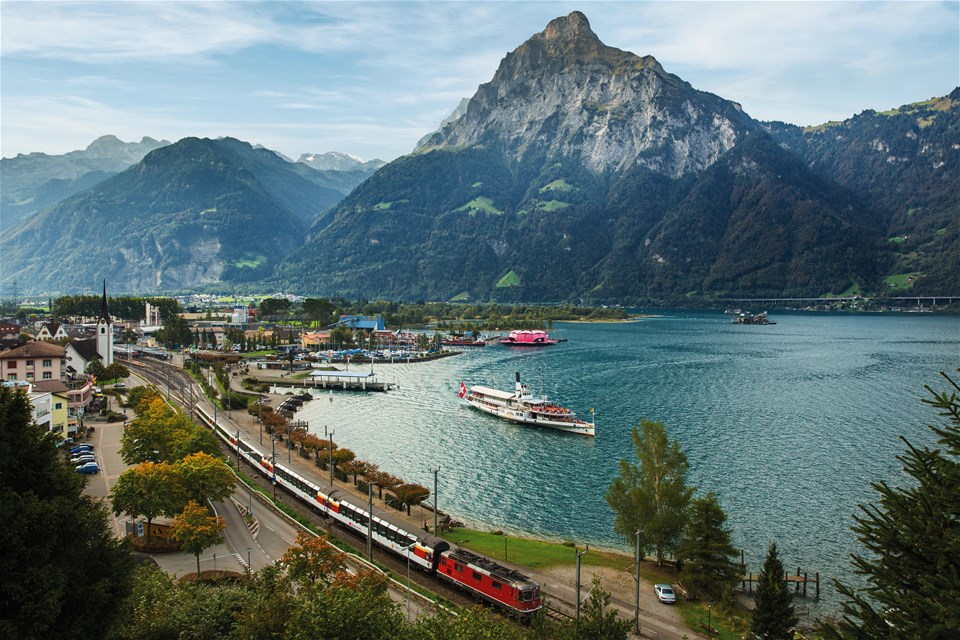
(665, 593)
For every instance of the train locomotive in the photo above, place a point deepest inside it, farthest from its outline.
(484, 578)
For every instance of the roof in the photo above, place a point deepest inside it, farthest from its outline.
(342, 374)
(35, 349)
(53, 327)
(86, 349)
(493, 393)
(50, 386)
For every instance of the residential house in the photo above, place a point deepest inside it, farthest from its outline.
(33, 361)
(52, 331)
(79, 354)
(62, 421)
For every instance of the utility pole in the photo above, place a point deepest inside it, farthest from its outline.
(636, 604)
(436, 502)
(260, 416)
(273, 464)
(238, 450)
(331, 458)
(579, 553)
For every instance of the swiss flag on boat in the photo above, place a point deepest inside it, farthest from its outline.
(463, 390)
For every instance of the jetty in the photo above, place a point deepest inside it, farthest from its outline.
(345, 380)
(798, 580)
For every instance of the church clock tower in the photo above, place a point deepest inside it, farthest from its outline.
(105, 331)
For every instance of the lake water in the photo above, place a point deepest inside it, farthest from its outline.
(788, 424)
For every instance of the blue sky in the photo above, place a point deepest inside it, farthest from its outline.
(371, 78)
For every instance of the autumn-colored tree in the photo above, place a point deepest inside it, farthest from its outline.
(159, 433)
(312, 560)
(197, 530)
(410, 494)
(149, 490)
(383, 480)
(357, 468)
(342, 455)
(204, 477)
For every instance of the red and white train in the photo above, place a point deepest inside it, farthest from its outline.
(481, 576)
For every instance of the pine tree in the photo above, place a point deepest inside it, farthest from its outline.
(64, 574)
(773, 615)
(707, 556)
(912, 538)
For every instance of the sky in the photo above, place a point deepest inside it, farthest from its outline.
(371, 78)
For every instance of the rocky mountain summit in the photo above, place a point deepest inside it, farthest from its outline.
(563, 93)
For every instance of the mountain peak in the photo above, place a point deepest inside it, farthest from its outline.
(571, 27)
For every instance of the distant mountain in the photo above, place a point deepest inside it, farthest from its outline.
(336, 161)
(193, 213)
(585, 172)
(31, 182)
(904, 164)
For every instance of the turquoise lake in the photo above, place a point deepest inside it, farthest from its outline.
(788, 424)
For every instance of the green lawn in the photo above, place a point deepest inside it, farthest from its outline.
(533, 553)
(553, 205)
(900, 280)
(557, 185)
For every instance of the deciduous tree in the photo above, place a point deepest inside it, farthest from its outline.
(149, 490)
(312, 560)
(652, 497)
(204, 477)
(773, 616)
(197, 529)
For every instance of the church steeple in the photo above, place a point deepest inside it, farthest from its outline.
(104, 311)
(105, 331)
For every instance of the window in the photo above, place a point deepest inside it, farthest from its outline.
(496, 585)
(29, 375)
(47, 376)
(59, 405)
(48, 363)
(457, 567)
(29, 363)
(443, 560)
(477, 576)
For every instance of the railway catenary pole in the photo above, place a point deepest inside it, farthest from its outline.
(273, 464)
(436, 503)
(238, 450)
(331, 458)
(579, 553)
(260, 416)
(636, 611)
(370, 521)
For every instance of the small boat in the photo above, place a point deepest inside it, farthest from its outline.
(745, 317)
(523, 408)
(463, 341)
(528, 338)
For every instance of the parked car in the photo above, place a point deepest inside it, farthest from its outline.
(665, 593)
(81, 447)
(86, 457)
(89, 467)
(120, 385)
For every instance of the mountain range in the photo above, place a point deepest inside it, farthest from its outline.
(579, 172)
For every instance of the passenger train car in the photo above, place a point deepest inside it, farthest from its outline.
(481, 576)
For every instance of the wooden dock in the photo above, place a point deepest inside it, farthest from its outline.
(798, 580)
(342, 380)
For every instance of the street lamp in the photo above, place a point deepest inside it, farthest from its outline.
(579, 553)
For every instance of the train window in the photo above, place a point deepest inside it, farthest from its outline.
(526, 596)
(443, 560)
(477, 576)
(457, 567)
(496, 585)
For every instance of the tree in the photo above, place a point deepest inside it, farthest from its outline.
(912, 538)
(773, 614)
(159, 433)
(708, 558)
(204, 477)
(410, 494)
(96, 369)
(116, 371)
(312, 560)
(149, 490)
(197, 529)
(596, 623)
(652, 498)
(64, 573)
